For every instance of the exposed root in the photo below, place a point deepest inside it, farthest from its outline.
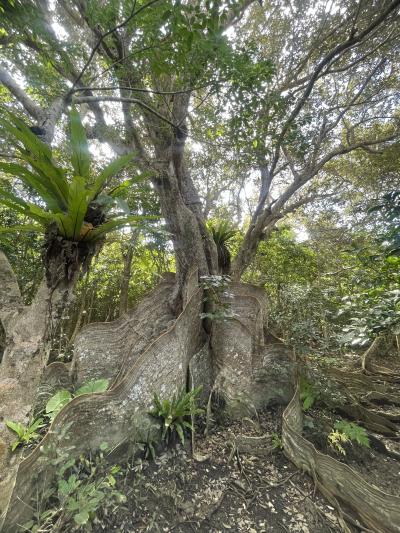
(369, 419)
(378, 347)
(381, 397)
(340, 484)
(380, 446)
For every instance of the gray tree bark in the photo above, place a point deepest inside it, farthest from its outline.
(126, 274)
(28, 332)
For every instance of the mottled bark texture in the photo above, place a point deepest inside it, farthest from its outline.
(120, 413)
(28, 332)
(147, 351)
(249, 369)
(181, 206)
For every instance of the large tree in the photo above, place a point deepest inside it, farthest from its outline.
(294, 92)
(282, 89)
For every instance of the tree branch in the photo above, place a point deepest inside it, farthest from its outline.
(104, 35)
(29, 105)
(336, 51)
(143, 90)
(90, 99)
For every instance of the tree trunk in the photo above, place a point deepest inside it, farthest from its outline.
(185, 233)
(181, 208)
(248, 249)
(126, 274)
(79, 320)
(28, 332)
(81, 311)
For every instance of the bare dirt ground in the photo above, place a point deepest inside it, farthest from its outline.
(220, 490)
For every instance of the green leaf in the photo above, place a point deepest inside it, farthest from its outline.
(80, 151)
(111, 170)
(119, 189)
(166, 15)
(18, 129)
(77, 206)
(15, 445)
(28, 526)
(25, 228)
(57, 402)
(11, 197)
(39, 214)
(53, 177)
(111, 225)
(36, 182)
(35, 425)
(64, 488)
(353, 431)
(98, 385)
(308, 402)
(18, 428)
(179, 430)
(82, 518)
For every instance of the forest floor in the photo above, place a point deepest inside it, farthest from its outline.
(221, 490)
(378, 466)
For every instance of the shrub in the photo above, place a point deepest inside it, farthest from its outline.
(173, 413)
(308, 394)
(344, 432)
(82, 487)
(26, 434)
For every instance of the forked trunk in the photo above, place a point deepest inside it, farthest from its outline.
(247, 251)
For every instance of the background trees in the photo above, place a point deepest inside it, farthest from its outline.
(234, 111)
(318, 83)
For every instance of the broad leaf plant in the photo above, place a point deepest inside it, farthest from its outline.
(70, 200)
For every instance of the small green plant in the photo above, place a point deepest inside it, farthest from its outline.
(83, 499)
(308, 394)
(92, 386)
(222, 233)
(57, 402)
(147, 436)
(63, 396)
(173, 413)
(81, 489)
(277, 443)
(26, 434)
(149, 448)
(215, 288)
(336, 439)
(344, 432)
